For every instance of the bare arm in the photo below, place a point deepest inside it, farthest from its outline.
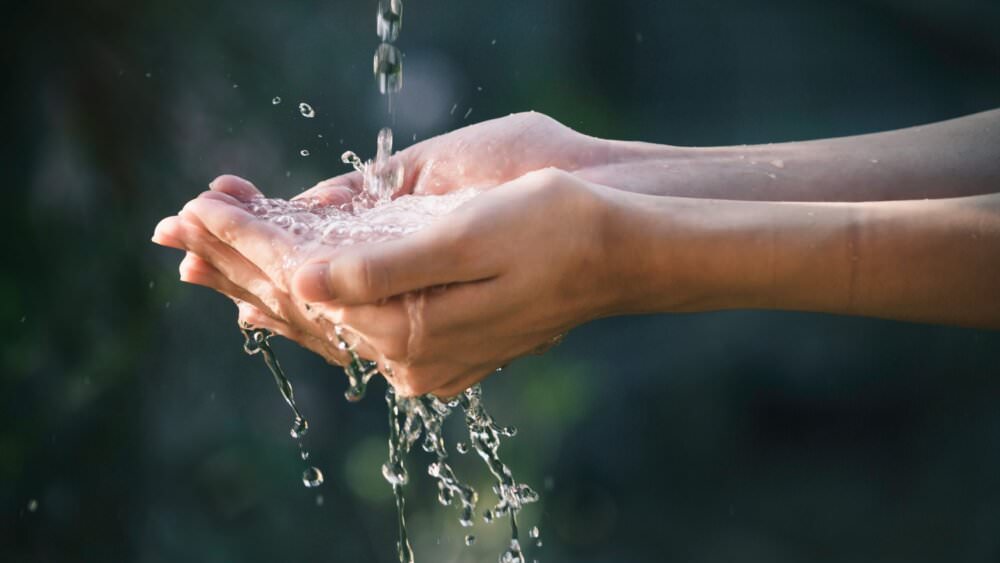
(953, 158)
(927, 260)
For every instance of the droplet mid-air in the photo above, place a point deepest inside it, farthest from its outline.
(306, 110)
(388, 68)
(389, 19)
(312, 477)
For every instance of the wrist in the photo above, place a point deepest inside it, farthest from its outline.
(687, 255)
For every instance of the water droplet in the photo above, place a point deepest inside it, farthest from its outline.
(533, 532)
(388, 68)
(275, 100)
(320, 500)
(873, 161)
(453, 108)
(494, 42)
(304, 455)
(299, 428)
(470, 539)
(32, 505)
(312, 477)
(462, 448)
(778, 163)
(389, 19)
(467, 114)
(306, 110)
(235, 86)
(304, 152)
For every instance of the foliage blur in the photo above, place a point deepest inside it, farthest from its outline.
(133, 428)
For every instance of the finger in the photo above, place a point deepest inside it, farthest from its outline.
(167, 233)
(352, 182)
(332, 196)
(260, 242)
(369, 273)
(196, 270)
(233, 267)
(235, 186)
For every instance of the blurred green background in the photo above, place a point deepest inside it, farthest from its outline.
(133, 428)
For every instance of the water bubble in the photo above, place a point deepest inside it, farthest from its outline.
(389, 19)
(299, 428)
(275, 100)
(312, 477)
(388, 68)
(470, 539)
(306, 110)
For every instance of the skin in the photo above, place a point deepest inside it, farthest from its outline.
(902, 225)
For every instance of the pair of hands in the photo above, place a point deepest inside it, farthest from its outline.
(439, 310)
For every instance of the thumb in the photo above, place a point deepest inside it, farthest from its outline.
(369, 273)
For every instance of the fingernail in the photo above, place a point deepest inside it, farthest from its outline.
(312, 282)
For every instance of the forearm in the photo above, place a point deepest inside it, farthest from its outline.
(928, 261)
(954, 158)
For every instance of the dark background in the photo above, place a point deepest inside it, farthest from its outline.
(135, 427)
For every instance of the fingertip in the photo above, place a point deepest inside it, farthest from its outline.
(328, 195)
(235, 186)
(352, 182)
(168, 233)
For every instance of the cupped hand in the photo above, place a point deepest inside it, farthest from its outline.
(482, 155)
